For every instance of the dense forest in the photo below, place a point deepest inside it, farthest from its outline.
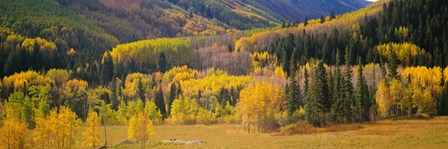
(385, 61)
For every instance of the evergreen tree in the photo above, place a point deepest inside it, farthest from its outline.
(322, 19)
(162, 64)
(363, 102)
(392, 67)
(171, 97)
(286, 63)
(316, 99)
(179, 91)
(293, 95)
(153, 81)
(344, 102)
(160, 102)
(332, 15)
(347, 89)
(141, 90)
(306, 87)
(107, 68)
(321, 87)
(444, 101)
(305, 23)
(338, 103)
(223, 96)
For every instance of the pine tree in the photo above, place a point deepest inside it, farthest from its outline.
(141, 90)
(392, 67)
(286, 63)
(306, 87)
(107, 68)
(338, 102)
(363, 102)
(179, 91)
(162, 64)
(444, 101)
(347, 89)
(160, 102)
(305, 23)
(332, 15)
(321, 87)
(153, 81)
(344, 91)
(293, 96)
(171, 97)
(322, 19)
(317, 95)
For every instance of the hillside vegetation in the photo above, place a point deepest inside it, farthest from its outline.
(330, 73)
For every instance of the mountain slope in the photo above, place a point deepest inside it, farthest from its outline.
(83, 24)
(131, 20)
(298, 10)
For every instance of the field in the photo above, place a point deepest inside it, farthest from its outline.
(381, 134)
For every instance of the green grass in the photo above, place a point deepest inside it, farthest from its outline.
(382, 134)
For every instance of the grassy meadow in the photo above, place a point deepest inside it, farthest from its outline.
(380, 134)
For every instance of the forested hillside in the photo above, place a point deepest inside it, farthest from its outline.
(82, 30)
(385, 61)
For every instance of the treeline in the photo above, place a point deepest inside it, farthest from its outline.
(54, 23)
(337, 95)
(414, 34)
(147, 56)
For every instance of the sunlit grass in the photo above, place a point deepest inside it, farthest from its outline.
(382, 134)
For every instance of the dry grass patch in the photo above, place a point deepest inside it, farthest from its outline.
(381, 134)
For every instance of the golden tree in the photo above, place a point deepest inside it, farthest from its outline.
(43, 135)
(64, 127)
(92, 134)
(140, 128)
(259, 103)
(13, 134)
(383, 98)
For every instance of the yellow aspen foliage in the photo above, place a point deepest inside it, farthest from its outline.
(64, 126)
(212, 84)
(183, 111)
(417, 97)
(152, 112)
(445, 74)
(13, 134)
(428, 105)
(258, 104)
(26, 79)
(404, 51)
(60, 76)
(179, 73)
(422, 76)
(139, 52)
(383, 98)
(92, 134)
(43, 135)
(132, 84)
(402, 32)
(205, 117)
(424, 102)
(71, 52)
(75, 85)
(396, 94)
(140, 128)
